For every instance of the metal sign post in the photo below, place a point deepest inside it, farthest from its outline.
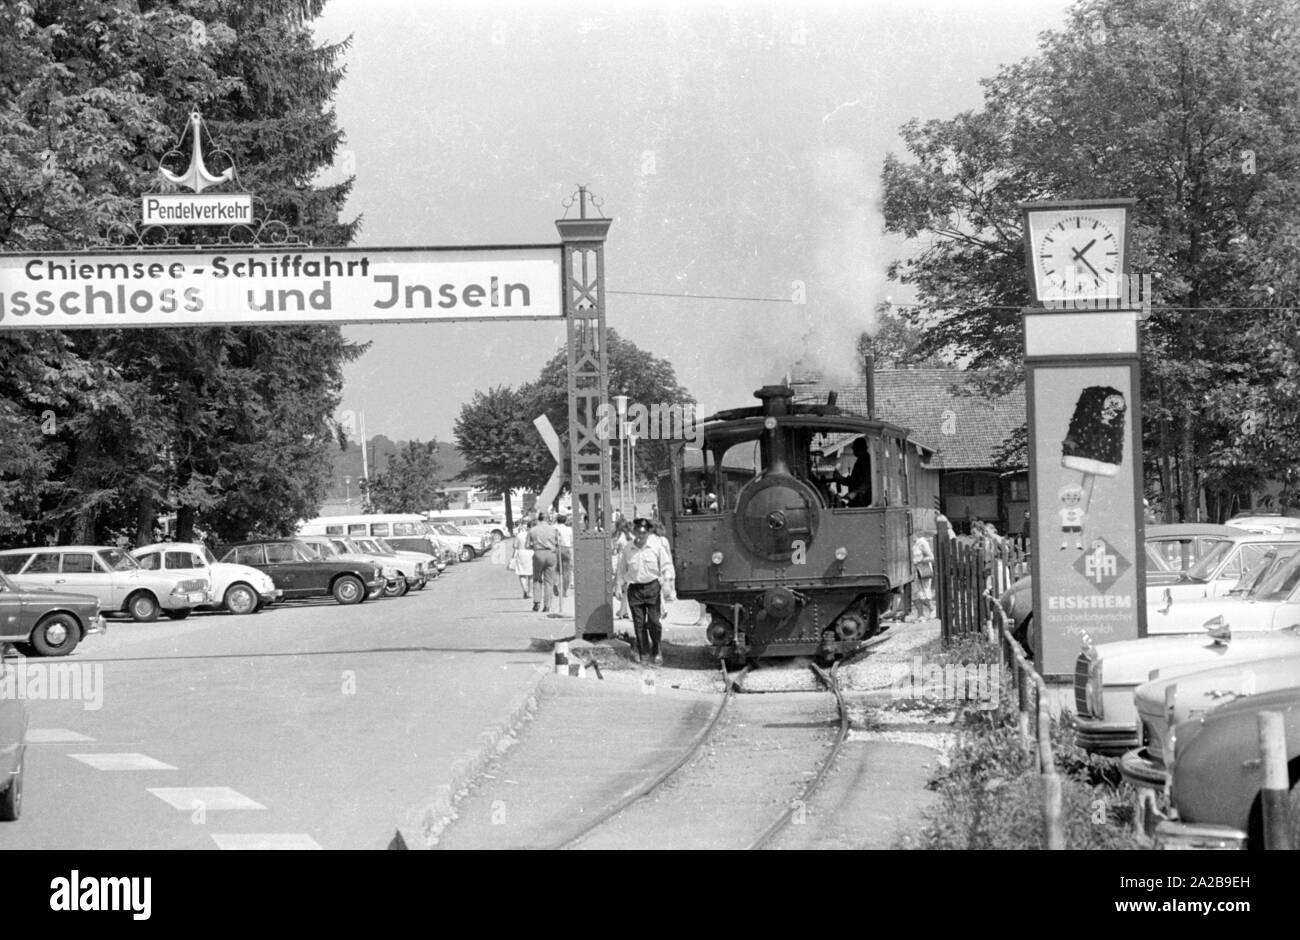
(589, 473)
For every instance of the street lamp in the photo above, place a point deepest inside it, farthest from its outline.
(347, 490)
(620, 403)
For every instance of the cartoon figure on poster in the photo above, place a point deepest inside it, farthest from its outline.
(1094, 446)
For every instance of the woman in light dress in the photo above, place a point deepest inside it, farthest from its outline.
(521, 562)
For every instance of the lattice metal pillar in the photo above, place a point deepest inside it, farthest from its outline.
(584, 307)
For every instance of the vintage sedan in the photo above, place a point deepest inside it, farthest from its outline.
(298, 572)
(49, 623)
(1265, 598)
(13, 745)
(1221, 568)
(468, 547)
(417, 563)
(1163, 704)
(327, 549)
(239, 589)
(1106, 676)
(111, 575)
(1218, 775)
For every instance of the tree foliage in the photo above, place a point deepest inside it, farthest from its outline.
(107, 429)
(409, 483)
(1188, 106)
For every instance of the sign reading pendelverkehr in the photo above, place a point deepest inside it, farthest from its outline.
(75, 290)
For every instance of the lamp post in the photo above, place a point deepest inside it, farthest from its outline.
(347, 490)
(620, 403)
(631, 468)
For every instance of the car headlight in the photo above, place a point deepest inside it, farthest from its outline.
(390, 572)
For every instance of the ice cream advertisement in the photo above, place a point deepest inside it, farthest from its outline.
(1087, 549)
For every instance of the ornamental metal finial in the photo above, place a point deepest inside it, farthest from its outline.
(581, 198)
(196, 176)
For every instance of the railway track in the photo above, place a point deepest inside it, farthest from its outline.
(748, 775)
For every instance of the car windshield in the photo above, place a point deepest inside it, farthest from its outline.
(323, 549)
(115, 559)
(370, 546)
(383, 543)
(1210, 562)
(446, 528)
(207, 555)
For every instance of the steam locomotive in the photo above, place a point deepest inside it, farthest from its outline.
(763, 535)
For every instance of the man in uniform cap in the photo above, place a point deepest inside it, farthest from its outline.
(646, 567)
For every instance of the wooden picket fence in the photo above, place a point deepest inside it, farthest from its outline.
(965, 569)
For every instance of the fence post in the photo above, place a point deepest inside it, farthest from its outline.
(1273, 796)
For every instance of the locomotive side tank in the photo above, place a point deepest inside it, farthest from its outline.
(765, 536)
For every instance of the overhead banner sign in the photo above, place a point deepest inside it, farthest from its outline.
(233, 286)
(1086, 487)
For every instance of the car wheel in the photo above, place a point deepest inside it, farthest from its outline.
(397, 589)
(240, 599)
(178, 614)
(466, 553)
(56, 635)
(11, 800)
(349, 590)
(143, 608)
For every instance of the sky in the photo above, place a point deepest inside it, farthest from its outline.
(736, 147)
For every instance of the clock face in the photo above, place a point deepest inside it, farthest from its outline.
(1077, 253)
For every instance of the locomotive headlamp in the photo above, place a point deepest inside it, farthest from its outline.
(769, 423)
(841, 553)
(716, 558)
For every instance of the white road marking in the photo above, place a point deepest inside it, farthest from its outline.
(209, 798)
(264, 840)
(54, 736)
(121, 762)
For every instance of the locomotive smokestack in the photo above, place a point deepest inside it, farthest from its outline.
(776, 401)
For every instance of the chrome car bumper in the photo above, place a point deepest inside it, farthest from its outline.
(1109, 738)
(1140, 769)
(97, 625)
(1179, 835)
(189, 599)
(270, 597)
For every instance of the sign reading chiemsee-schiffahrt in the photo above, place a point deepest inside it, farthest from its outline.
(69, 291)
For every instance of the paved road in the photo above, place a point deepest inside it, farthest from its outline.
(310, 725)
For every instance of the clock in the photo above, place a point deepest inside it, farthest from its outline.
(1076, 251)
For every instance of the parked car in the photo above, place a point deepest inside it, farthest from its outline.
(1218, 774)
(49, 623)
(1164, 703)
(433, 564)
(1221, 567)
(467, 546)
(297, 571)
(239, 589)
(395, 583)
(1173, 550)
(1107, 675)
(413, 564)
(13, 747)
(111, 575)
(1268, 523)
(1267, 597)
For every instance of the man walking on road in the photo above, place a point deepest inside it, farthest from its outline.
(647, 569)
(545, 542)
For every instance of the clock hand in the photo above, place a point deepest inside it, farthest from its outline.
(1078, 256)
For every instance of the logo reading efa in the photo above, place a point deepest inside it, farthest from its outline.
(1101, 565)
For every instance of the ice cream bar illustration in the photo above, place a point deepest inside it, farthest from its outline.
(1094, 442)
